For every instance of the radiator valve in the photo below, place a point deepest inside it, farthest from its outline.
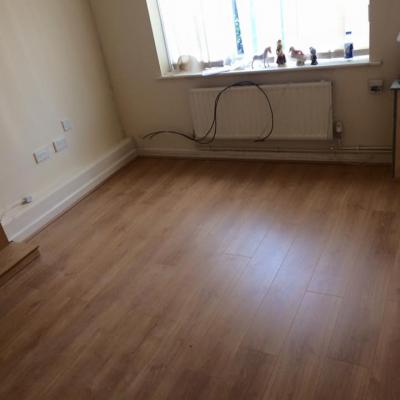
(339, 131)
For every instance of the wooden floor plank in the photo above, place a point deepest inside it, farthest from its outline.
(338, 381)
(304, 349)
(360, 318)
(385, 382)
(276, 313)
(334, 268)
(212, 280)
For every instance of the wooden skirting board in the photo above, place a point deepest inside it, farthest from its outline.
(14, 257)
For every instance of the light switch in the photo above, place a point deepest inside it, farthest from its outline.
(376, 86)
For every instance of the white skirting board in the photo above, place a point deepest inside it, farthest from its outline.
(37, 215)
(364, 156)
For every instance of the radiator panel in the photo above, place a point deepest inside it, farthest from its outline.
(302, 111)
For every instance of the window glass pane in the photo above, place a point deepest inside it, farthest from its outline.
(201, 28)
(214, 30)
(261, 23)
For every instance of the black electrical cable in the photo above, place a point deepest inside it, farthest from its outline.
(213, 130)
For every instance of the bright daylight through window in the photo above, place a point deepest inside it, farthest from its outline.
(213, 33)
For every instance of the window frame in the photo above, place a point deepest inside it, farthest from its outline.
(329, 60)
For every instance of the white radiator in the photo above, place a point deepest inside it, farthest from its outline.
(302, 111)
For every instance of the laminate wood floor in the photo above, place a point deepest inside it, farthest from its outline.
(183, 279)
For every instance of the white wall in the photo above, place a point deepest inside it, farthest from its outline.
(147, 103)
(51, 68)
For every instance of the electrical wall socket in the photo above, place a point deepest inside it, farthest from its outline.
(376, 86)
(60, 144)
(27, 200)
(66, 124)
(41, 155)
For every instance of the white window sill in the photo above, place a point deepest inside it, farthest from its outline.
(333, 63)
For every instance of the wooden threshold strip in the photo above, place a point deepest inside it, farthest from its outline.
(14, 258)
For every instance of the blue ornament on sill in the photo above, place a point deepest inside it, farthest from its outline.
(314, 57)
(348, 46)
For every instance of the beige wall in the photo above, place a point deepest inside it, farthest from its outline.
(147, 103)
(51, 68)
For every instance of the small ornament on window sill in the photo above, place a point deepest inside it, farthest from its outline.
(262, 57)
(314, 58)
(298, 55)
(188, 63)
(281, 58)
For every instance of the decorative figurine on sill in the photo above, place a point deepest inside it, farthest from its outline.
(188, 63)
(262, 57)
(298, 55)
(314, 58)
(281, 59)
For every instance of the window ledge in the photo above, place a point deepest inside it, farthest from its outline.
(335, 63)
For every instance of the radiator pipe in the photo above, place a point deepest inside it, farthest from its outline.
(344, 149)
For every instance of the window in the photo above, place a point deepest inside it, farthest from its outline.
(216, 30)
